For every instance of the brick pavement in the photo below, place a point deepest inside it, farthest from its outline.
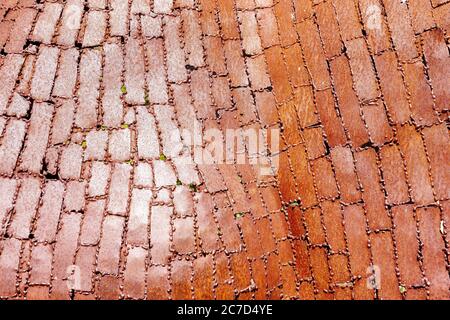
(95, 205)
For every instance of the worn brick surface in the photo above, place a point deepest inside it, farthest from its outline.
(103, 194)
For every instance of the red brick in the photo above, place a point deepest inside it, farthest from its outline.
(407, 245)
(319, 263)
(208, 17)
(412, 148)
(324, 177)
(433, 252)
(314, 54)
(158, 283)
(366, 167)
(207, 230)
(304, 178)
(108, 288)
(420, 94)
(170, 135)
(241, 271)
(228, 19)
(383, 257)
(192, 38)
(224, 289)
(375, 25)
(49, 211)
(313, 220)
(347, 16)
(64, 254)
(139, 217)
(329, 29)
(377, 123)
(289, 121)
(392, 86)
(277, 71)
(134, 283)
(44, 73)
(184, 236)
(333, 224)
(46, 23)
(20, 30)
(284, 12)
(258, 74)
(303, 9)
(181, 280)
(421, 15)
(41, 264)
(394, 175)
(289, 282)
(215, 54)
(92, 222)
(235, 63)
(200, 87)
(134, 72)
(88, 90)
(85, 260)
(361, 66)
(348, 102)
(401, 30)
(297, 73)
(9, 263)
(313, 138)
(346, 174)
(110, 243)
(67, 74)
(160, 234)
(436, 55)
(442, 17)
(437, 142)
(156, 76)
(268, 27)
(331, 122)
(203, 278)
(251, 42)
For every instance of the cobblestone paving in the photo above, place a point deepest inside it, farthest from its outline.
(94, 204)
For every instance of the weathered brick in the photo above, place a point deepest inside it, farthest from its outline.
(329, 29)
(401, 30)
(134, 72)
(412, 148)
(181, 280)
(333, 223)
(9, 264)
(437, 146)
(277, 71)
(160, 234)
(70, 162)
(67, 74)
(85, 260)
(99, 179)
(158, 284)
(92, 222)
(139, 217)
(11, 145)
(41, 264)
(348, 102)
(235, 63)
(361, 65)
(147, 136)
(44, 73)
(346, 174)
(297, 73)
(383, 257)
(324, 177)
(331, 122)
(46, 23)
(88, 90)
(37, 137)
(156, 76)
(436, 55)
(20, 30)
(433, 252)
(314, 54)
(377, 123)
(70, 22)
(134, 283)
(394, 175)
(109, 253)
(175, 55)
(268, 27)
(304, 178)
(375, 25)
(420, 94)
(118, 191)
